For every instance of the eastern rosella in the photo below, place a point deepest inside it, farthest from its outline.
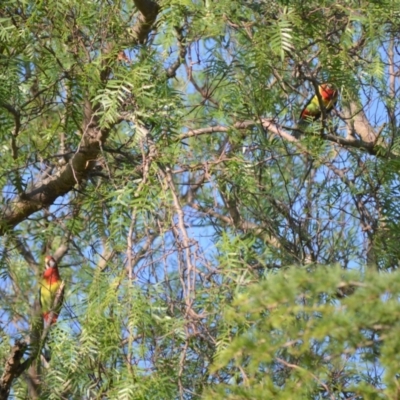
(312, 110)
(49, 287)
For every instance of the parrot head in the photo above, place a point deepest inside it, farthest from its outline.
(328, 91)
(50, 262)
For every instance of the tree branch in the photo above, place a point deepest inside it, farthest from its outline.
(45, 192)
(171, 71)
(359, 124)
(13, 368)
(148, 13)
(269, 124)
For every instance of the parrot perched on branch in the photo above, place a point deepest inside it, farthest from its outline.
(49, 289)
(312, 110)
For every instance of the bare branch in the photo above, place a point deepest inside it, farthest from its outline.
(360, 122)
(186, 241)
(171, 71)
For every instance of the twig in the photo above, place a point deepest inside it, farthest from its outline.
(294, 366)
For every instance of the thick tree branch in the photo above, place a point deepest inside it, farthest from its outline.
(45, 192)
(12, 369)
(360, 124)
(148, 13)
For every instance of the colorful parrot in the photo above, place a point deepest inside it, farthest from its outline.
(49, 286)
(312, 110)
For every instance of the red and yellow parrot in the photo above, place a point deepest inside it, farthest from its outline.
(312, 110)
(49, 286)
